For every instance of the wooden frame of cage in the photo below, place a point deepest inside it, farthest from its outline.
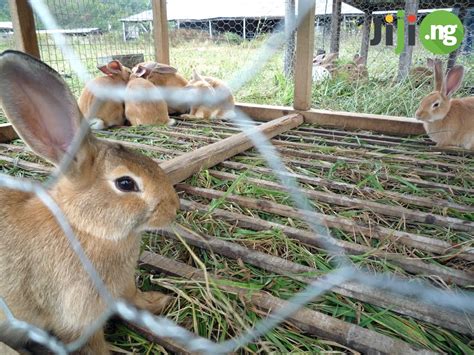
(217, 150)
(278, 120)
(24, 28)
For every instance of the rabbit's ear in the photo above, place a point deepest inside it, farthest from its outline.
(112, 67)
(319, 59)
(430, 63)
(329, 58)
(360, 60)
(141, 71)
(47, 120)
(439, 76)
(196, 76)
(454, 80)
(165, 69)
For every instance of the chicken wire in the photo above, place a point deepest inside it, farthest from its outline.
(386, 83)
(68, 58)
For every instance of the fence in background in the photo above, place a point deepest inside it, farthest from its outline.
(270, 48)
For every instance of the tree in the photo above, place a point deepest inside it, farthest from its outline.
(85, 13)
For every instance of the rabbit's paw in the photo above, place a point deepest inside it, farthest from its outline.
(152, 301)
(96, 123)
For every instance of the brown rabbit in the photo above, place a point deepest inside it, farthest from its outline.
(109, 113)
(144, 112)
(422, 75)
(448, 122)
(166, 76)
(211, 88)
(357, 70)
(109, 195)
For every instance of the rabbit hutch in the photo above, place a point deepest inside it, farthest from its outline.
(346, 179)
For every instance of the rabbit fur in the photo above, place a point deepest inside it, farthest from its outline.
(109, 112)
(448, 122)
(109, 194)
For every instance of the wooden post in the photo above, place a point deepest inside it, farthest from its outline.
(404, 64)
(160, 31)
(304, 54)
(364, 48)
(290, 31)
(461, 12)
(335, 26)
(183, 166)
(24, 27)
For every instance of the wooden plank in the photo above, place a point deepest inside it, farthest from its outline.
(6, 350)
(399, 126)
(304, 55)
(160, 31)
(313, 322)
(167, 343)
(7, 133)
(354, 189)
(182, 167)
(24, 27)
(397, 303)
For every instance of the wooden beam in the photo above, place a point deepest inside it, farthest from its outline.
(312, 322)
(24, 27)
(160, 31)
(399, 126)
(183, 166)
(304, 55)
(6, 350)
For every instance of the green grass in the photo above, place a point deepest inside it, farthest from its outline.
(225, 59)
(205, 309)
(219, 315)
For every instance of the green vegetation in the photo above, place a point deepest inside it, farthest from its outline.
(218, 315)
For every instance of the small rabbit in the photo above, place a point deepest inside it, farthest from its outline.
(166, 76)
(357, 70)
(109, 194)
(109, 113)
(144, 112)
(211, 88)
(422, 75)
(323, 67)
(448, 122)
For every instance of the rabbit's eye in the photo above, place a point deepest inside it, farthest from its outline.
(126, 184)
(436, 104)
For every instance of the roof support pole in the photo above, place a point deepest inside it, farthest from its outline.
(24, 27)
(335, 26)
(404, 64)
(160, 31)
(364, 48)
(461, 12)
(304, 54)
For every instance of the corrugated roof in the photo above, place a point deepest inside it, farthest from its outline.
(221, 9)
(6, 25)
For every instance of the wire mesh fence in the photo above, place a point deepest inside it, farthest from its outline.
(338, 267)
